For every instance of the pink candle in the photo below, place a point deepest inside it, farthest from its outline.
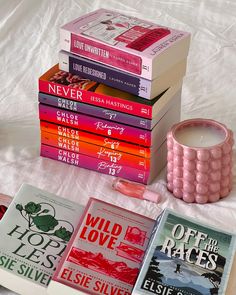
(199, 165)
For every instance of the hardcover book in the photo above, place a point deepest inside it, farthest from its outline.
(114, 144)
(186, 257)
(115, 130)
(105, 253)
(34, 233)
(125, 42)
(113, 77)
(108, 167)
(73, 87)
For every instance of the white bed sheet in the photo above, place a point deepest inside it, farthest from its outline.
(29, 44)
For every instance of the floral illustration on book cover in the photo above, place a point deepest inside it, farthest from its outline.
(134, 33)
(36, 228)
(189, 259)
(41, 218)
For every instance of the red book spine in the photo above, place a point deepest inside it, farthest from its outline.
(85, 96)
(95, 151)
(103, 141)
(94, 164)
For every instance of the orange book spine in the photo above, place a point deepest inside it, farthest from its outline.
(95, 151)
(102, 141)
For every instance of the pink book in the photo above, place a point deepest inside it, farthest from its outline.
(114, 130)
(96, 125)
(95, 151)
(125, 42)
(106, 142)
(108, 167)
(105, 253)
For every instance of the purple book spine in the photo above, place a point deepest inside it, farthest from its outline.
(94, 164)
(95, 125)
(94, 111)
(106, 75)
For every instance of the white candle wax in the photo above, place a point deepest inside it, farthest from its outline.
(199, 136)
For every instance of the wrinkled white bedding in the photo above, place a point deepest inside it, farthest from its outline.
(29, 44)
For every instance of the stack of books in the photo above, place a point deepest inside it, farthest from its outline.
(51, 245)
(109, 103)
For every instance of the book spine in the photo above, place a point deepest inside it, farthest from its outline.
(103, 74)
(105, 101)
(90, 163)
(105, 54)
(113, 144)
(95, 125)
(95, 151)
(94, 111)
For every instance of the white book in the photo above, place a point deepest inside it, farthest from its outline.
(34, 233)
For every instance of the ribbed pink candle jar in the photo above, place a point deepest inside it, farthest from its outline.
(199, 167)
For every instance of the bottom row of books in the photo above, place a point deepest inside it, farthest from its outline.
(51, 245)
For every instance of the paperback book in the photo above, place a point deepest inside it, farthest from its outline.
(107, 142)
(73, 87)
(96, 111)
(186, 257)
(34, 233)
(125, 42)
(113, 77)
(105, 253)
(108, 167)
(95, 125)
(112, 129)
(96, 151)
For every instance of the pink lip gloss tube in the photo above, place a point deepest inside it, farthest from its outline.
(135, 190)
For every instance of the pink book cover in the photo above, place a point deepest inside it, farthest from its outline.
(95, 125)
(95, 151)
(114, 144)
(98, 165)
(105, 253)
(73, 87)
(125, 42)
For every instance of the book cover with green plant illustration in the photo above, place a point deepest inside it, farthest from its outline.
(34, 233)
(186, 257)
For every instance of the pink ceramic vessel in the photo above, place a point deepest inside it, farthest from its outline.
(199, 174)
